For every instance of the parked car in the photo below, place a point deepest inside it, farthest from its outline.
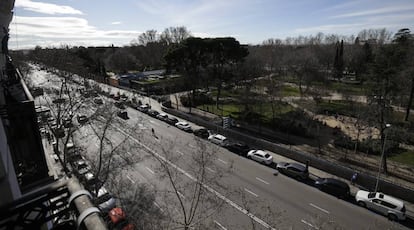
(172, 120)
(67, 122)
(82, 119)
(123, 115)
(260, 156)
(295, 170)
(117, 220)
(152, 113)
(203, 133)
(333, 186)
(119, 105)
(238, 148)
(104, 201)
(143, 108)
(162, 116)
(218, 139)
(98, 101)
(387, 205)
(183, 126)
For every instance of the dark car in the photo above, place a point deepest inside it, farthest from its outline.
(82, 119)
(123, 115)
(144, 108)
(152, 113)
(295, 170)
(67, 122)
(203, 133)
(172, 120)
(333, 186)
(119, 105)
(238, 148)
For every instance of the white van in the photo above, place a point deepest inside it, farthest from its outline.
(389, 206)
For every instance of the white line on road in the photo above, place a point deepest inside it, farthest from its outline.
(180, 194)
(181, 153)
(224, 162)
(309, 224)
(129, 178)
(221, 226)
(261, 180)
(158, 206)
(210, 189)
(254, 194)
(211, 170)
(319, 208)
(150, 170)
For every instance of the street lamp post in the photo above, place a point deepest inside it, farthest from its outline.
(382, 157)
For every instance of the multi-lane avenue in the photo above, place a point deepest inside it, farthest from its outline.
(248, 193)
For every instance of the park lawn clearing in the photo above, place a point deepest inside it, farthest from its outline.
(404, 158)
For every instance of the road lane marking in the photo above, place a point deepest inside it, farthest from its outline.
(254, 194)
(150, 170)
(309, 224)
(129, 178)
(224, 162)
(180, 194)
(261, 180)
(221, 226)
(207, 187)
(211, 170)
(181, 153)
(158, 206)
(319, 208)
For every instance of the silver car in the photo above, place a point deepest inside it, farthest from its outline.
(389, 206)
(260, 156)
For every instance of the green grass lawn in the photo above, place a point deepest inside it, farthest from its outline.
(405, 158)
(235, 109)
(289, 91)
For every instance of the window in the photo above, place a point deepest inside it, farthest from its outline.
(389, 205)
(371, 195)
(293, 169)
(376, 201)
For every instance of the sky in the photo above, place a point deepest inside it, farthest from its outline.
(55, 23)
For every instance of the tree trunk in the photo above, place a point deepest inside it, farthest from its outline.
(410, 100)
(218, 95)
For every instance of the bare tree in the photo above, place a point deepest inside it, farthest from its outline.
(112, 155)
(189, 190)
(175, 35)
(149, 36)
(139, 202)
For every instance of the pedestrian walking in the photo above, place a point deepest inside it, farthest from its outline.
(354, 178)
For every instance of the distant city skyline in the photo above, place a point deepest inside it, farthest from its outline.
(51, 23)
